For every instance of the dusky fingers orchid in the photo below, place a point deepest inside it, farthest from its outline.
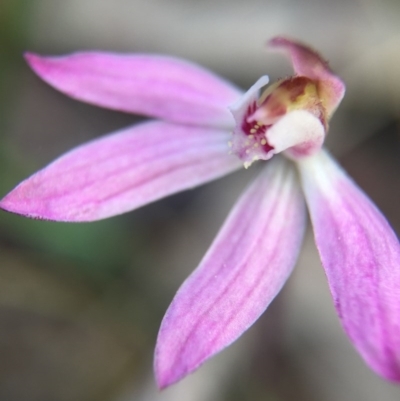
(199, 114)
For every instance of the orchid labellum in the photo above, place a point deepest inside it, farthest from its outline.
(204, 128)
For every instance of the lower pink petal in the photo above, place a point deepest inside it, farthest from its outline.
(123, 171)
(361, 257)
(240, 275)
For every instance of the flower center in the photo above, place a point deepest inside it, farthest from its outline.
(287, 115)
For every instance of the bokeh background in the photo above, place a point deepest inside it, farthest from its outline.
(80, 304)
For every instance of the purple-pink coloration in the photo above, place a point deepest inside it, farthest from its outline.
(122, 171)
(257, 246)
(156, 86)
(240, 275)
(361, 257)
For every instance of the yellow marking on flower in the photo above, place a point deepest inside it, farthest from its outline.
(294, 93)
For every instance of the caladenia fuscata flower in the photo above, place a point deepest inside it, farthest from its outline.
(205, 128)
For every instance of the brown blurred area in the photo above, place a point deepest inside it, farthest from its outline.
(80, 304)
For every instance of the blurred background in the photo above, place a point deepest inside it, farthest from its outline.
(80, 304)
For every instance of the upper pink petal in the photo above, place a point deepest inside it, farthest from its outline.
(309, 63)
(361, 257)
(123, 171)
(242, 272)
(158, 86)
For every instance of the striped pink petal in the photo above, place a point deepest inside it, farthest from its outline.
(309, 63)
(123, 171)
(162, 87)
(244, 269)
(361, 257)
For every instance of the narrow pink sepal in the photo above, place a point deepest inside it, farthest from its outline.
(361, 257)
(242, 272)
(157, 86)
(309, 63)
(123, 171)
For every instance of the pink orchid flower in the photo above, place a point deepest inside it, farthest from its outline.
(197, 113)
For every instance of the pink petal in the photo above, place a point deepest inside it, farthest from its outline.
(361, 256)
(123, 171)
(309, 63)
(157, 86)
(244, 269)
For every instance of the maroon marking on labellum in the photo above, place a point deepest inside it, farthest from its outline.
(256, 129)
(295, 86)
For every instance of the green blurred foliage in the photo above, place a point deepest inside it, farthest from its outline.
(99, 250)
(14, 37)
